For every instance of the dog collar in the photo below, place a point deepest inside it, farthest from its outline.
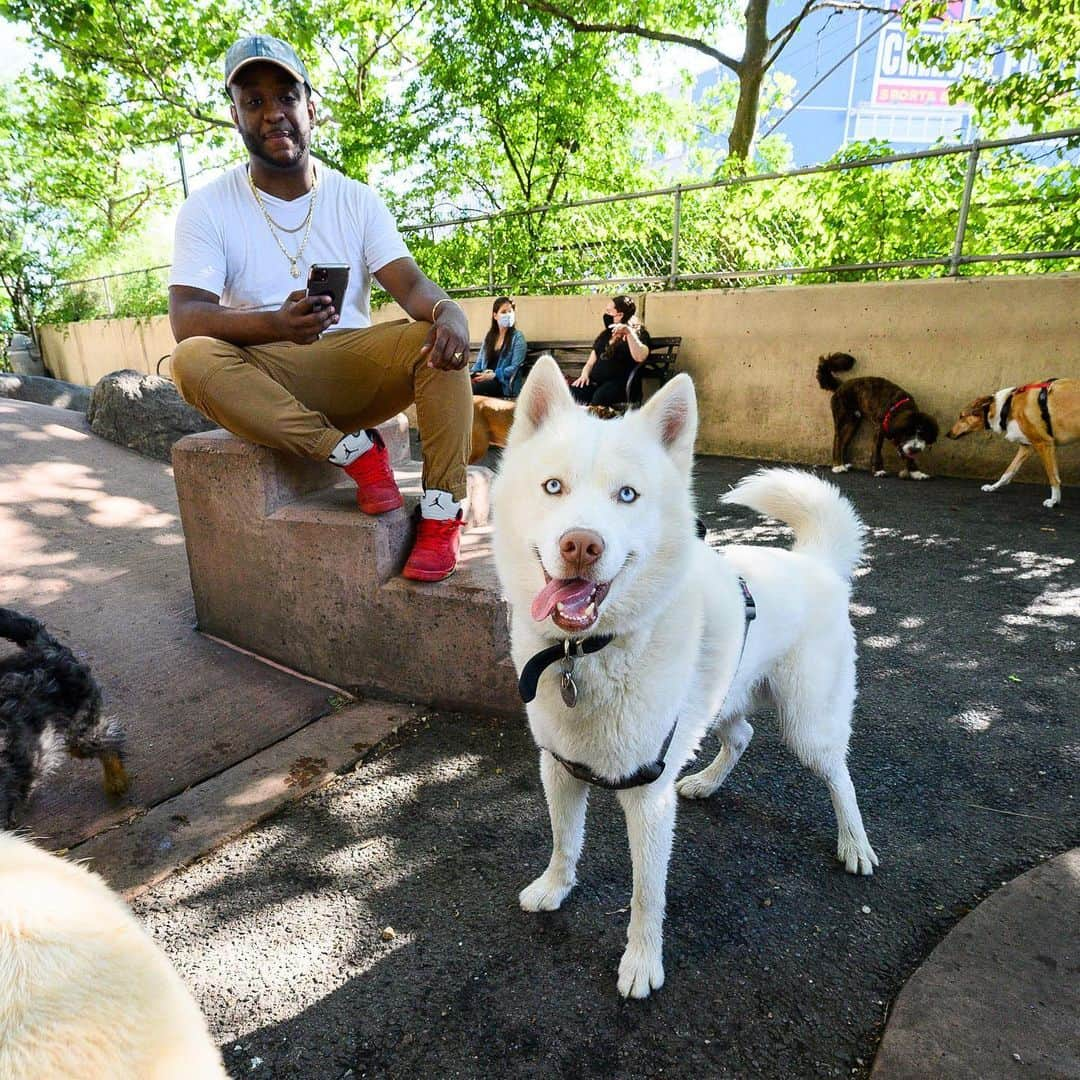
(1006, 408)
(566, 650)
(889, 412)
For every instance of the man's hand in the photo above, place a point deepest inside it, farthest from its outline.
(302, 319)
(447, 346)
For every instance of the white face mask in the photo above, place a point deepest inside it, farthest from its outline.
(506, 319)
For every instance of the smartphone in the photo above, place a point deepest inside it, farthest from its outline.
(328, 280)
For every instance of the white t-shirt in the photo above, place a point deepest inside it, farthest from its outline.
(223, 243)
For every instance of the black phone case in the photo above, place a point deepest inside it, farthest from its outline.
(328, 281)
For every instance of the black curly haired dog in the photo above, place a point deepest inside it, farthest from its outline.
(48, 701)
(890, 408)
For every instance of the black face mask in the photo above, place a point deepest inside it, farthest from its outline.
(608, 320)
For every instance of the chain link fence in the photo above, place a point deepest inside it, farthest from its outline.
(1009, 205)
(130, 294)
(991, 207)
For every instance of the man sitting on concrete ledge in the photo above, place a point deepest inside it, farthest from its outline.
(294, 375)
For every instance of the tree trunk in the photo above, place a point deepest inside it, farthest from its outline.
(751, 76)
(744, 127)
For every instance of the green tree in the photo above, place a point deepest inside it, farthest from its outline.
(509, 109)
(465, 107)
(695, 24)
(42, 233)
(1017, 61)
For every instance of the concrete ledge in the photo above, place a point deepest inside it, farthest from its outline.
(283, 564)
(180, 830)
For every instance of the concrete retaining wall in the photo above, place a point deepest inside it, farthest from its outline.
(752, 353)
(84, 351)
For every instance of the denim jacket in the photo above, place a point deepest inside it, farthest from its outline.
(507, 364)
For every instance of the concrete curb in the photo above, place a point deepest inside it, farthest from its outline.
(183, 829)
(1000, 996)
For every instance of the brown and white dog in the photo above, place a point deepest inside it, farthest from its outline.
(1040, 416)
(890, 408)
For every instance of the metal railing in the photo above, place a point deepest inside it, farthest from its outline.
(746, 229)
(99, 293)
(771, 228)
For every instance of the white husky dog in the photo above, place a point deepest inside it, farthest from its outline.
(84, 991)
(596, 551)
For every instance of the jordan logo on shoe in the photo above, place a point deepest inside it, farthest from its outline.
(350, 448)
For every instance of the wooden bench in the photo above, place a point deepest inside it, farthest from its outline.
(571, 357)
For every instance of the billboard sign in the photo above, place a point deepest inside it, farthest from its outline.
(900, 81)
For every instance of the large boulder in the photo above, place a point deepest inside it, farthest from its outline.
(145, 413)
(45, 391)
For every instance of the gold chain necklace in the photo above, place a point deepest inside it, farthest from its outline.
(294, 269)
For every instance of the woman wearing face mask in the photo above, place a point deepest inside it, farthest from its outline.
(616, 353)
(501, 353)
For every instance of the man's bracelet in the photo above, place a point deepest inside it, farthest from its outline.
(444, 300)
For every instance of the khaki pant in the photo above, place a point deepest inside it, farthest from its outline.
(303, 398)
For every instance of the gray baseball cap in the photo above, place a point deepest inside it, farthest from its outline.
(262, 48)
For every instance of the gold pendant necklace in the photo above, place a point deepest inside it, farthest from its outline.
(294, 260)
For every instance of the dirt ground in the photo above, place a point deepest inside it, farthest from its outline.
(373, 928)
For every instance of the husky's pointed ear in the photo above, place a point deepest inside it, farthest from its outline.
(545, 393)
(672, 411)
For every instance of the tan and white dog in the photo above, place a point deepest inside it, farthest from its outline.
(84, 991)
(1040, 416)
(597, 552)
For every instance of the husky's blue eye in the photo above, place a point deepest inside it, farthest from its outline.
(627, 494)
(553, 486)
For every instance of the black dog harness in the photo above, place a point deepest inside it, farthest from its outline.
(1044, 404)
(567, 651)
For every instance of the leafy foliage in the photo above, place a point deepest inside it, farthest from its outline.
(741, 231)
(1017, 61)
(521, 107)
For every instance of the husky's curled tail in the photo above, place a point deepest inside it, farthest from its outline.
(829, 365)
(825, 523)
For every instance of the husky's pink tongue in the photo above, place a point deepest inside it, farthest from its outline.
(573, 594)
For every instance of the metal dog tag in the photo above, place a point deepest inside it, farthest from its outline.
(566, 682)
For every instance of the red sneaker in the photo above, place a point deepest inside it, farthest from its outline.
(376, 489)
(435, 551)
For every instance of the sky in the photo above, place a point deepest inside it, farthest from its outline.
(14, 55)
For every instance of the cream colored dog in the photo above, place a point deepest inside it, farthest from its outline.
(595, 546)
(85, 993)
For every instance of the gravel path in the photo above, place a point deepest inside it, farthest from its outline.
(373, 930)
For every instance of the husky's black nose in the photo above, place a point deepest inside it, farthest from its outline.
(580, 548)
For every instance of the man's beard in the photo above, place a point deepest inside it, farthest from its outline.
(257, 148)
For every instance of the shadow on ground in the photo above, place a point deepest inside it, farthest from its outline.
(778, 964)
(91, 544)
